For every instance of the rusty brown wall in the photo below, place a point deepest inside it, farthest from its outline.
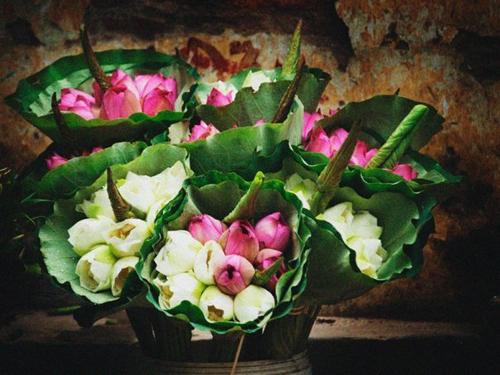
(442, 52)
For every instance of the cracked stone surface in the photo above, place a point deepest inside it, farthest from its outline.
(445, 53)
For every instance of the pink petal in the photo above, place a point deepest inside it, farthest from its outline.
(319, 142)
(309, 120)
(406, 171)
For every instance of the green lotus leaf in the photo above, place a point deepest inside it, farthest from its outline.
(79, 172)
(432, 178)
(333, 275)
(380, 115)
(32, 98)
(248, 106)
(224, 195)
(58, 254)
(245, 150)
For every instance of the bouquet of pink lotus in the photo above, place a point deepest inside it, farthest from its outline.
(232, 207)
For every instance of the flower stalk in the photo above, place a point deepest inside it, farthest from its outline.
(67, 138)
(119, 205)
(290, 65)
(289, 95)
(329, 179)
(397, 143)
(97, 72)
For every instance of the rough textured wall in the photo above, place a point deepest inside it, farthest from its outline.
(445, 53)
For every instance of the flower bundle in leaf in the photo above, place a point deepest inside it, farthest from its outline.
(92, 240)
(230, 255)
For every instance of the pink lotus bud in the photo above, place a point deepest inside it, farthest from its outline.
(158, 100)
(370, 154)
(406, 171)
(219, 99)
(234, 274)
(202, 131)
(333, 111)
(93, 151)
(79, 102)
(337, 138)
(309, 120)
(260, 122)
(119, 102)
(273, 232)
(118, 79)
(319, 142)
(205, 228)
(55, 161)
(240, 239)
(266, 259)
(157, 92)
(361, 155)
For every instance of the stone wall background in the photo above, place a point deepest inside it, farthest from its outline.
(446, 53)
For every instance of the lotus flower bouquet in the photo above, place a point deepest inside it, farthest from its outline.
(233, 207)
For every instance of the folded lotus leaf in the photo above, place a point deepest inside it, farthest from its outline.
(220, 195)
(58, 254)
(332, 273)
(249, 107)
(32, 98)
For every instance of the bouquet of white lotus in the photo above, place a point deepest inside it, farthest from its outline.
(232, 206)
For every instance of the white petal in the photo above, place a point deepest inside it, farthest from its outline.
(94, 269)
(98, 206)
(87, 233)
(252, 302)
(139, 191)
(121, 269)
(255, 79)
(169, 182)
(178, 253)
(207, 260)
(215, 305)
(364, 225)
(178, 288)
(127, 237)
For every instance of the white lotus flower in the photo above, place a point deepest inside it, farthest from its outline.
(252, 302)
(169, 182)
(139, 191)
(255, 79)
(94, 268)
(340, 217)
(87, 233)
(215, 305)
(178, 132)
(181, 287)
(208, 259)
(98, 206)
(178, 253)
(364, 225)
(204, 90)
(127, 237)
(304, 189)
(369, 254)
(121, 269)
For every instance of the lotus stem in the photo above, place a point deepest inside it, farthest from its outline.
(237, 355)
(102, 80)
(120, 206)
(399, 141)
(329, 179)
(290, 64)
(67, 138)
(289, 95)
